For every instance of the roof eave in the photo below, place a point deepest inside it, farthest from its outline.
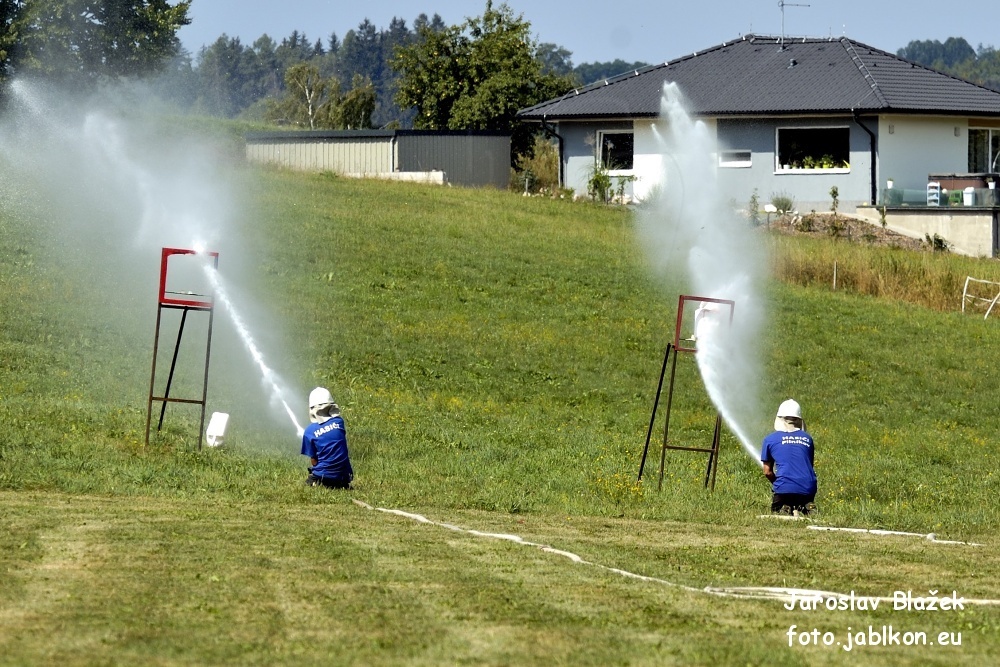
(557, 118)
(772, 113)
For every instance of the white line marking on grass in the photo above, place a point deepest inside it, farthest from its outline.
(744, 592)
(876, 531)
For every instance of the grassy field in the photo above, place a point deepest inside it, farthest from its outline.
(495, 358)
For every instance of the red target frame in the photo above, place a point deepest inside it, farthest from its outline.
(676, 346)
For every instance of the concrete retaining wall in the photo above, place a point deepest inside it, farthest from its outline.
(968, 231)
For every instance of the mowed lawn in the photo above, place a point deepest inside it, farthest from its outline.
(96, 580)
(496, 359)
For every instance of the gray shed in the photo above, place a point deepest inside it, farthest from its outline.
(469, 158)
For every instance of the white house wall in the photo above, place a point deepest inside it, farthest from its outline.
(808, 188)
(649, 169)
(647, 160)
(579, 154)
(579, 157)
(911, 148)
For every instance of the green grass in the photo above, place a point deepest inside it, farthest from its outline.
(96, 580)
(931, 279)
(495, 358)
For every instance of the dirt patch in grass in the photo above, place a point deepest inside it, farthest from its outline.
(846, 228)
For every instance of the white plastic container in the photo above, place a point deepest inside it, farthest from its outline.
(216, 431)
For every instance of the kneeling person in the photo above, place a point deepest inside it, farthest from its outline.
(324, 441)
(787, 456)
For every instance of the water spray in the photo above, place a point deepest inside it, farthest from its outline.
(688, 229)
(272, 382)
(108, 171)
(709, 337)
(715, 347)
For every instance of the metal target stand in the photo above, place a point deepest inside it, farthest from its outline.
(676, 347)
(185, 302)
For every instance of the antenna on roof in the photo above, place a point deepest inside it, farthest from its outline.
(781, 5)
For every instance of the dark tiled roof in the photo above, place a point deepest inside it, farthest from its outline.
(755, 76)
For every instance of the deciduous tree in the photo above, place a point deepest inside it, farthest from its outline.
(8, 35)
(315, 102)
(476, 76)
(309, 100)
(77, 41)
(355, 109)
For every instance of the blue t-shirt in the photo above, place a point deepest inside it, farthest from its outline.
(791, 455)
(327, 443)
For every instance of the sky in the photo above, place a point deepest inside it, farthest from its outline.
(650, 31)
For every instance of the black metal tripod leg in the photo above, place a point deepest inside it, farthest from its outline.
(652, 418)
(666, 421)
(713, 457)
(173, 365)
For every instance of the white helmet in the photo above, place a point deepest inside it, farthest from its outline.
(790, 408)
(321, 405)
(320, 396)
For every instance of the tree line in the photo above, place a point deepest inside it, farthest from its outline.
(473, 75)
(381, 69)
(956, 56)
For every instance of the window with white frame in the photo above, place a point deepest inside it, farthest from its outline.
(807, 148)
(984, 150)
(617, 149)
(735, 158)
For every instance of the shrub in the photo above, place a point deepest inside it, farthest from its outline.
(783, 202)
(937, 243)
(753, 209)
(599, 185)
(540, 168)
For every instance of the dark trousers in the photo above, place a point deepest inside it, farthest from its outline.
(329, 482)
(793, 501)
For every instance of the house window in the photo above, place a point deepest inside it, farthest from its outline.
(616, 150)
(826, 148)
(984, 150)
(735, 159)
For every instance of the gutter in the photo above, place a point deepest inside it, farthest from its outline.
(551, 131)
(873, 144)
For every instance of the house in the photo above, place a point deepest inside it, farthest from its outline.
(792, 116)
(469, 158)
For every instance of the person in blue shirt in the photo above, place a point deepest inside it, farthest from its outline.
(787, 456)
(324, 441)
